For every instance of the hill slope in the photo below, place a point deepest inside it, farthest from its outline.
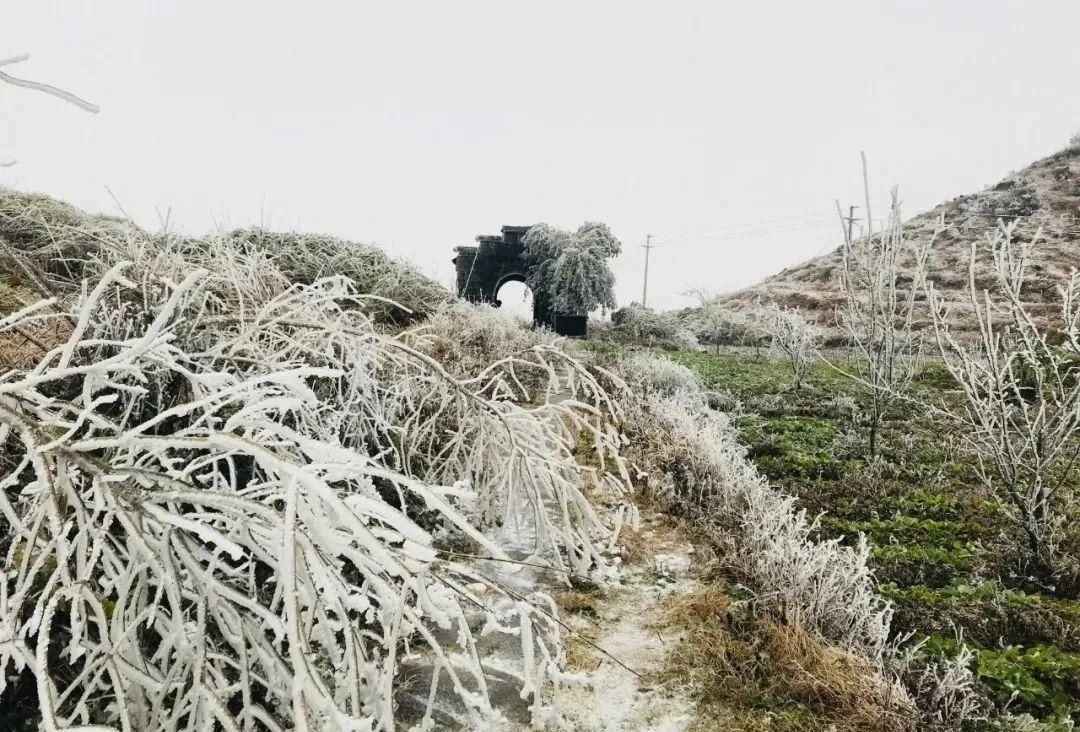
(1046, 194)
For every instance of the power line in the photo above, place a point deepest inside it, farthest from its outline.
(735, 236)
(727, 227)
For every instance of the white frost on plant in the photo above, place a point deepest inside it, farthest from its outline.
(214, 491)
(571, 268)
(826, 586)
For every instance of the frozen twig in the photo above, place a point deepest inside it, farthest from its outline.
(42, 87)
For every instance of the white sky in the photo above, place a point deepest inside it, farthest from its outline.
(419, 125)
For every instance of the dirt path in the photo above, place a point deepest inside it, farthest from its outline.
(624, 625)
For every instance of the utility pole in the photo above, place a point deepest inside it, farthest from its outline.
(645, 284)
(850, 220)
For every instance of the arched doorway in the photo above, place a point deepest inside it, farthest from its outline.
(483, 270)
(513, 296)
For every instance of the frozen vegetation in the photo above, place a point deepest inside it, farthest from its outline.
(258, 480)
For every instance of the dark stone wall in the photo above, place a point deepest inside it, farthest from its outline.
(495, 260)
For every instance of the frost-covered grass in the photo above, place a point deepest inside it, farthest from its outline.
(698, 465)
(941, 551)
(64, 246)
(695, 464)
(225, 489)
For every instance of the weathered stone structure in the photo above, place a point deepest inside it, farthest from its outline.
(496, 260)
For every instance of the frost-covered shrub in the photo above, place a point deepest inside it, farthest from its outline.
(827, 587)
(793, 336)
(52, 237)
(644, 326)
(1021, 397)
(946, 687)
(695, 464)
(220, 494)
(714, 323)
(61, 245)
(880, 276)
(467, 338)
(304, 258)
(646, 374)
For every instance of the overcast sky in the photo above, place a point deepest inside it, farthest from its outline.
(419, 125)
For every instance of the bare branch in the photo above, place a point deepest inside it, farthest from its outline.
(42, 87)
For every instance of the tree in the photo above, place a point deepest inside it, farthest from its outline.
(794, 336)
(571, 268)
(39, 86)
(1021, 394)
(877, 312)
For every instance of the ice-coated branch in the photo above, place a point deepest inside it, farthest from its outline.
(42, 87)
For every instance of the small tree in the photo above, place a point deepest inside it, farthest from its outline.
(1021, 392)
(794, 336)
(877, 311)
(571, 268)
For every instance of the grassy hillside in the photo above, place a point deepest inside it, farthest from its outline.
(47, 247)
(1045, 195)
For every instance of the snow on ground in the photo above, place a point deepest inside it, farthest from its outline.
(625, 627)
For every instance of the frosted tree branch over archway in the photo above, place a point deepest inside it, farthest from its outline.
(571, 268)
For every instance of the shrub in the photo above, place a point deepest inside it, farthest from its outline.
(54, 244)
(717, 325)
(221, 492)
(697, 465)
(877, 312)
(643, 326)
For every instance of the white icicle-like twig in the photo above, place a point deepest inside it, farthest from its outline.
(38, 86)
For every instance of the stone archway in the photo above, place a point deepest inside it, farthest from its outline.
(496, 260)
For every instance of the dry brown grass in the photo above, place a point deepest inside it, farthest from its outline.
(661, 533)
(14, 296)
(580, 656)
(579, 602)
(831, 679)
(579, 609)
(765, 675)
(20, 350)
(635, 546)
